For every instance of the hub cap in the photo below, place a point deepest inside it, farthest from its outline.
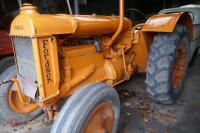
(100, 120)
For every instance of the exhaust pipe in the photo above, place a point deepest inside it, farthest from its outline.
(121, 23)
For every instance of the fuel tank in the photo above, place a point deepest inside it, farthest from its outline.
(98, 25)
(31, 23)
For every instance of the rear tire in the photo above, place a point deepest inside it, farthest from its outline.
(194, 57)
(75, 115)
(6, 111)
(167, 66)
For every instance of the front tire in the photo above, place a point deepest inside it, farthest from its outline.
(167, 65)
(93, 108)
(11, 109)
(6, 62)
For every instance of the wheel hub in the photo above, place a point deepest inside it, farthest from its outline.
(100, 120)
(179, 66)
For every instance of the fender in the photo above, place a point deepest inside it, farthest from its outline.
(167, 23)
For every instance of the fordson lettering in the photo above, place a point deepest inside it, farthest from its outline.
(46, 61)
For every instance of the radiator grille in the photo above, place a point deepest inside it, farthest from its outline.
(24, 57)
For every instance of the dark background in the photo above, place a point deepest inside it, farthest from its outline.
(9, 8)
(146, 6)
(106, 7)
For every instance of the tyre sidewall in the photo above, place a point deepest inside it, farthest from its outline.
(83, 106)
(6, 111)
(159, 87)
(6, 62)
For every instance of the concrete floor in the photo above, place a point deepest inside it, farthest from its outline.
(141, 115)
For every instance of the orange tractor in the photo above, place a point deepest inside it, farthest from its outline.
(80, 58)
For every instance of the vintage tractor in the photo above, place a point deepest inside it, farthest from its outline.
(80, 58)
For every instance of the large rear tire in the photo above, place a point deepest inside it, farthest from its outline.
(93, 108)
(11, 109)
(167, 65)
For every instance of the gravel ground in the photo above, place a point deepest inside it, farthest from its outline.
(141, 115)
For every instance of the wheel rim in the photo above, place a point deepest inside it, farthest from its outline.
(101, 119)
(179, 66)
(17, 106)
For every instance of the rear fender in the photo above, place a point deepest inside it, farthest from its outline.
(167, 23)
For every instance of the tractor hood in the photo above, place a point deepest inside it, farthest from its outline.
(31, 23)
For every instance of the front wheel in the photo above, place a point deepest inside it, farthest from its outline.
(167, 65)
(94, 108)
(6, 62)
(11, 109)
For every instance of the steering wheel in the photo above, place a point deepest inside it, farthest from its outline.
(141, 14)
